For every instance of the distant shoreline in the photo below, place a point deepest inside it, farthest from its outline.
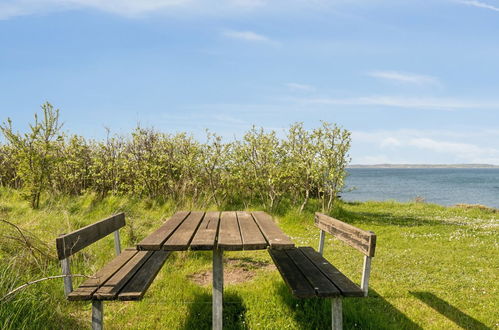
(424, 166)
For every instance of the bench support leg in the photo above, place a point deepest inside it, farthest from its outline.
(366, 272)
(321, 242)
(117, 242)
(218, 289)
(336, 313)
(97, 314)
(68, 281)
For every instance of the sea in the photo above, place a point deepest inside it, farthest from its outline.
(444, 186)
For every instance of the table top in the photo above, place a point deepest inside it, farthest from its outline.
(235, 230)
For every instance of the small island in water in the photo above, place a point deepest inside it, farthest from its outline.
(424, 166)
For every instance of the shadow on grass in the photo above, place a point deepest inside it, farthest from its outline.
(452, 313)
(372, 312)
(234, 312)
(383, 218)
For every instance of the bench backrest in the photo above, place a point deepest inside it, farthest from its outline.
(69, 244)
(362, 240)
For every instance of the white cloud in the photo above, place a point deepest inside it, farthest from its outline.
(403, 77)
(405, 102)
(300, 87)
(479, 4)
(465, 146)
(246, 36)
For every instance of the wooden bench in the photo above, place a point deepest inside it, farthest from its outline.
(308, 274)
(126, 277)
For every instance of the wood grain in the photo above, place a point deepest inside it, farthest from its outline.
(252, 237)
(272, 233)
(181, 237)
(69, 244)
(140, 282)
(110, 289)
(155, 240)
(229, 236)
(205, 237)
(362, 240)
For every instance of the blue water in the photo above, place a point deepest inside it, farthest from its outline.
(444, 186)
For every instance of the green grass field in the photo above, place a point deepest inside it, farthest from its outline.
(435, 268)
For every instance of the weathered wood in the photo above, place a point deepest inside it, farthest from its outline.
(86, 290)
(68, 281)
(321, 284)
(336, 314)
(110, 289)
(229, 236)
(157, 238)
(140, 282)
(206, 235)
(272, 233)
(343, 283)
(366, 272)
(251, 236)
(296, 281)
(218, 290)
(97, 315)
(362, 240)
(182, 236)
(71, 243)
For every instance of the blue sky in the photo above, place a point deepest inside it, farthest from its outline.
(415, 81)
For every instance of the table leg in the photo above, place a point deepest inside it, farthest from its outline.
(218, 289)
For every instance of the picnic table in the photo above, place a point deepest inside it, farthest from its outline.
(217, 232)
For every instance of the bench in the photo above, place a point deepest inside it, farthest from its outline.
(126, 277)
(308, 274)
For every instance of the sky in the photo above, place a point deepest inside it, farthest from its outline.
(414, 81)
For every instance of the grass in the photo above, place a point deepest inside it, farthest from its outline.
(435, 268)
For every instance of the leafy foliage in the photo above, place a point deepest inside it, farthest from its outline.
(259, 169)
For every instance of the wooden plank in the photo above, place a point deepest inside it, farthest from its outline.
(298, 284)
(362, 240)
(218, 290)
(252, 237)
(273, 234)
(86, 290)
(181, 237)
(157, 238)
(110, 289)
(140, 282)
(321, 284)
(229, 236)
(71, 243)
(343, 283)
(205, 237)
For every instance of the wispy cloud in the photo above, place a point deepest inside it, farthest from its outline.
(456, 146)
(405, 102)
(404, 77)
(246, 36)
(479, 4)
(300, 87)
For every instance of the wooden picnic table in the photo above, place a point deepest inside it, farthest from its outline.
(218, 232)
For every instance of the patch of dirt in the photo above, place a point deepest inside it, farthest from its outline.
(235, 271)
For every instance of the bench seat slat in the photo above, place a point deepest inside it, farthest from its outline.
(140, 282)
(299, 285)
(343, 283)
(110, 289)
(321, 284)
(86, 290)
